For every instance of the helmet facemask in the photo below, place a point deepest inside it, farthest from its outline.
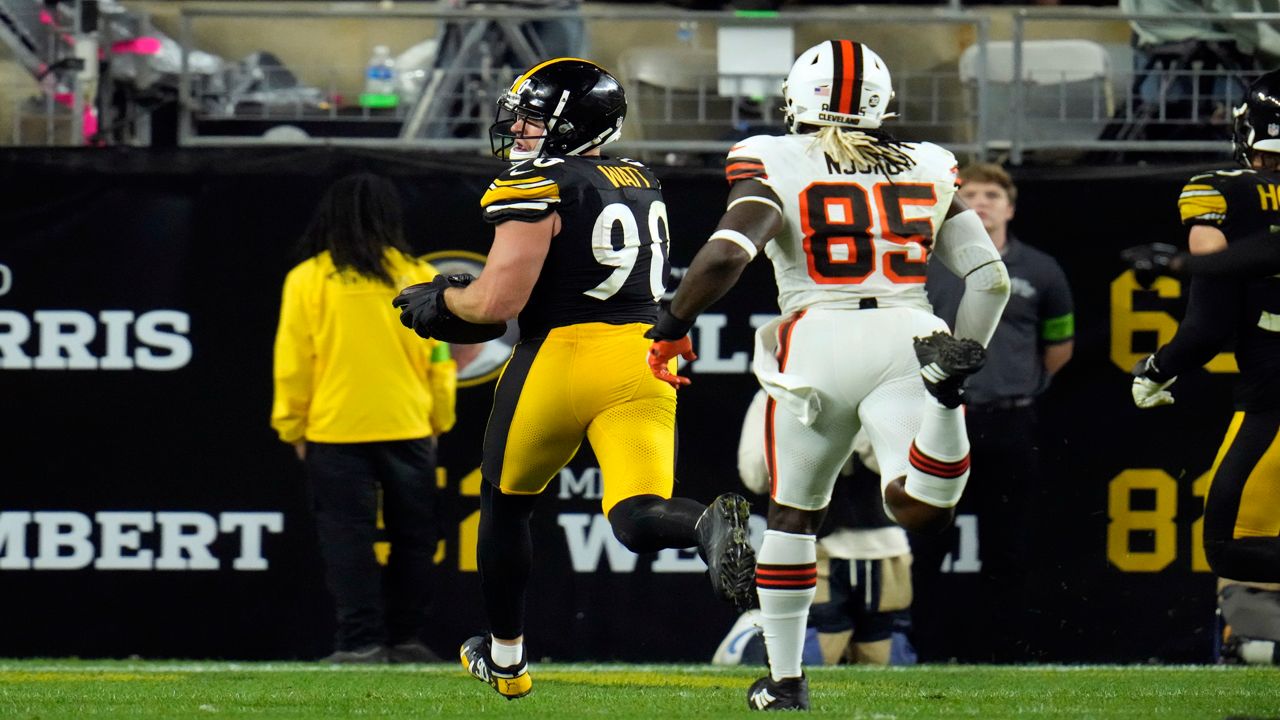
(1241, 133)
(1256, 121)
(503, 138)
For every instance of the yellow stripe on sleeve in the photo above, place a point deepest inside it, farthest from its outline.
(549, 192)
(1197, 188)
(1202, 205)
(519, 181)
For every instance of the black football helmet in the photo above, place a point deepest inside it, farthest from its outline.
(1257, 119)
(581, 105)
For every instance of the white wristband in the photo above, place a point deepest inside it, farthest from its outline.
(756, 198)
(736, 238)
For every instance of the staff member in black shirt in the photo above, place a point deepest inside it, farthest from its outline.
(1034, 340)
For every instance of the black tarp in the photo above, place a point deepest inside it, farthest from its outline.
(185, 250)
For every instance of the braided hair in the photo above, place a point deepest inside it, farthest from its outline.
(359, 217)
(868, 151)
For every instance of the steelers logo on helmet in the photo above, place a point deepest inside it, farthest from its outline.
(565, 106)
(840, 83)
(1257, 120)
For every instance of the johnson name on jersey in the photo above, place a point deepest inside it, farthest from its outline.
(849, 233)
(609, 261)
(1245, 204)
(1240, 202)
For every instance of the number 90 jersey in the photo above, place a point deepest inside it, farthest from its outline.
(609, 262)
(848, 235)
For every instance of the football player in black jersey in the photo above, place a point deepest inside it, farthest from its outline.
(579, 256)
(1230, 212)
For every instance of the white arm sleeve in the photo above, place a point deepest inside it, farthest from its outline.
(965, 249)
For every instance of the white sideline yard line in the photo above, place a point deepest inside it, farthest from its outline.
(161, 666)
(164, 666)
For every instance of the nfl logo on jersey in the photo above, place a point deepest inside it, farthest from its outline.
(1273, 129)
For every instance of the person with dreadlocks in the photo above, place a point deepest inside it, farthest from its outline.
(362, 400)
(849, 216)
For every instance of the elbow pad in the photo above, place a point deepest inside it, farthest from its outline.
(964, 245)
(986, 291)
(992, 278)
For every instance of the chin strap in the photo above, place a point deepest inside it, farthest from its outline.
(522, 155)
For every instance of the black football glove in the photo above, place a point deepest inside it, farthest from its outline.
(1149, 261)
(422, 308)
(668, 327)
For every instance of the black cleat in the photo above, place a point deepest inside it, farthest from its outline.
(411, 651)
(368, 655)
(769, 694)
(723, 544)
(510, 682)
(1229, 653)
(945, 361)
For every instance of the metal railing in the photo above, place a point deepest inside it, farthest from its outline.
(700, 114)
(1173, 90)
(1005, 99)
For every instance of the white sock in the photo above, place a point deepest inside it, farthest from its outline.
(505, 655)
(786, 580)
(939, 459)
(942, 432)
(1258, 652)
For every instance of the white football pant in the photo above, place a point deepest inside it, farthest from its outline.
(844, 369)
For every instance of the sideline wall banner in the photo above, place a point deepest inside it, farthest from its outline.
(147, 508)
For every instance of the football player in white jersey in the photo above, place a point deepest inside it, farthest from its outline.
(849, 217)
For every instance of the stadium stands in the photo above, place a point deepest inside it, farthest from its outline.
(955, 79)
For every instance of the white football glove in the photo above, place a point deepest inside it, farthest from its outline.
(1148, 393)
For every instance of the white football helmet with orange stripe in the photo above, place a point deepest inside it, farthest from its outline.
(838, 82)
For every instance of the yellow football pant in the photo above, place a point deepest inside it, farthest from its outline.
(1242, 510)
(589, 380)
(1250, 486)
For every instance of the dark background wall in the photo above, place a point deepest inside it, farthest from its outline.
(210, 234)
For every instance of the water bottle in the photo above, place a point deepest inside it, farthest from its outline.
(687, 33)
(380, 80)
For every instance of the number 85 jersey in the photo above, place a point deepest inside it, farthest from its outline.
(848, 234)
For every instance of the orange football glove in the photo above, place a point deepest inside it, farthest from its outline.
(662, 352)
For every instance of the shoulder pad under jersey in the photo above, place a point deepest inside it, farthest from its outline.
(527, 191)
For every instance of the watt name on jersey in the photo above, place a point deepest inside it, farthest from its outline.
(608, 263)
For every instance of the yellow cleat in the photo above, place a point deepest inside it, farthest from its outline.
(510, 682)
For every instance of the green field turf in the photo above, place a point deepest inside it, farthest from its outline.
(48, 689)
